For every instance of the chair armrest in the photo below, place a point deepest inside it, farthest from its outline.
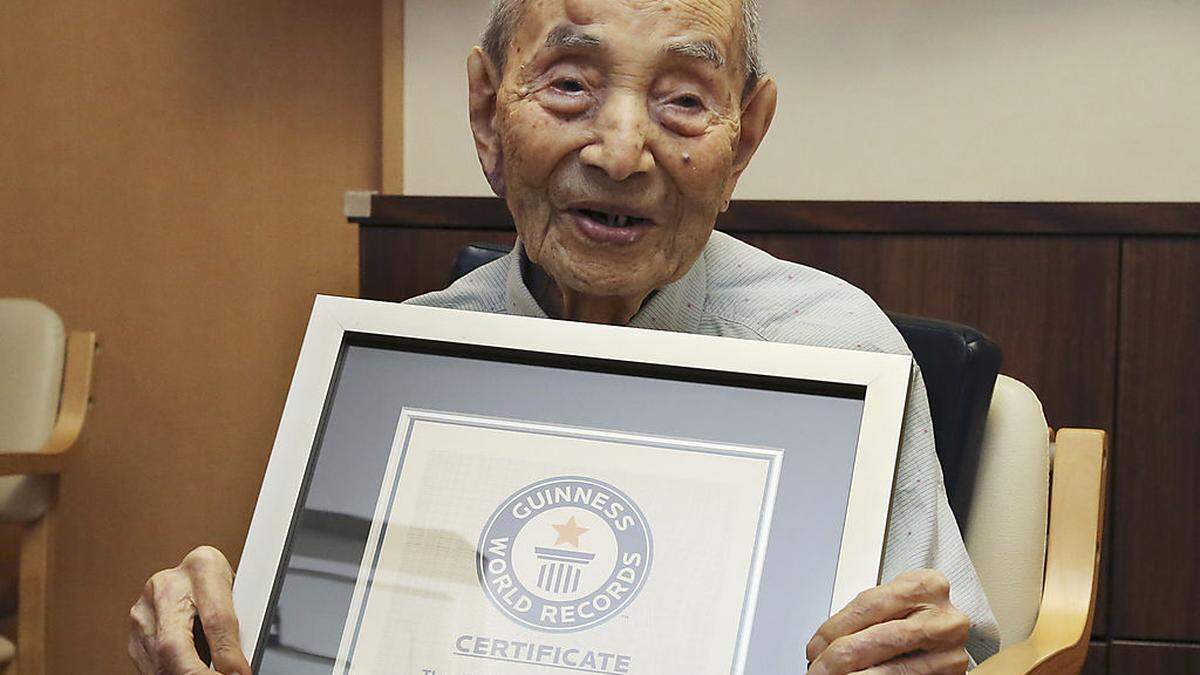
(72, 408)
(1059, 641)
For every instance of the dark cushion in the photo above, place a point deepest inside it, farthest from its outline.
(476, 255)
(959, 365)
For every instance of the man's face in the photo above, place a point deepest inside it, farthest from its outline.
(618, 136)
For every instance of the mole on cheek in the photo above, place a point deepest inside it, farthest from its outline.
(687, 159)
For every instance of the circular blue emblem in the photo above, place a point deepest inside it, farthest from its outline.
(564, 554)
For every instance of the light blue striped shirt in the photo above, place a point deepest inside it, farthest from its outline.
(737, 290)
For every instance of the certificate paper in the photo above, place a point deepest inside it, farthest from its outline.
(504, 547)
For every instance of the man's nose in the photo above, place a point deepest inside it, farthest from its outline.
(620, 145)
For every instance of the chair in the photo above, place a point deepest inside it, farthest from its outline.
(998, 461)
(45, 378)
(1045, 618)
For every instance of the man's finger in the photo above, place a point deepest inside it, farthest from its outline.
(175, 652)
(929, 630)
(212, 591)
(225, 649)
(141, 619)
(895, 600)
(137, 652)
(173, 648)
(949, 662)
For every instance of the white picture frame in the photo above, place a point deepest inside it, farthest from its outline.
(882, 380)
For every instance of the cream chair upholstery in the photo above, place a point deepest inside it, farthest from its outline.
(1006, 529)
(1034, 533)
(32, 351)
(45, 378)
(32, 348)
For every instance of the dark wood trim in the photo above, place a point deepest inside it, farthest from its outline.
(1097, 659)
(1153, 658)
(469, 213)
(1155, 579)
(1078, 218)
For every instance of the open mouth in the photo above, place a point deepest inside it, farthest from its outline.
(610, 219)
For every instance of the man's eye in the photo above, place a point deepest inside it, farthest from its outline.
(688, 101)
(569, 85)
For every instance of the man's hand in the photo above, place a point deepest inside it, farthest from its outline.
(906, 626)
(161, 640)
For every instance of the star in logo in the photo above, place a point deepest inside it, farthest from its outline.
(569, 532)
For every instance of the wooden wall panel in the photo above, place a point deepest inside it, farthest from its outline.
(1104, 328)
(1050, 302)
(845, 217)
(1059, 336)
(1146, 658)
(422, 258)
(1097, 660)
(1156, 538)
(170, 176)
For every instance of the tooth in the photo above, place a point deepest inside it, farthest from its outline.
(612, 220)
(622, 221)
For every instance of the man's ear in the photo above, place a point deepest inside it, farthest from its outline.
(483, 82)
(758, 109)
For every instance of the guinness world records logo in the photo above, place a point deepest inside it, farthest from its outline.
(564, 554)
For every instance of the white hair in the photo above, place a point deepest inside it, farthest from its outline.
(506, 13)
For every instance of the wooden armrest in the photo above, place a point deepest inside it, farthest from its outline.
(1059, 641)
(72, 408)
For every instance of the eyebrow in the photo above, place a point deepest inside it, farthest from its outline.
(704, 50)
(569, 36)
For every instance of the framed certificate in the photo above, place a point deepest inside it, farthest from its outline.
(458, 493)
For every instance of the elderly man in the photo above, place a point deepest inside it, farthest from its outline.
(616, 131)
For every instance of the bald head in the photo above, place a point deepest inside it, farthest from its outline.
(506, 14)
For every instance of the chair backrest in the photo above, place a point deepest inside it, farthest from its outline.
(476, 255)
(32, 350)
(959, 365)
(1006, 529)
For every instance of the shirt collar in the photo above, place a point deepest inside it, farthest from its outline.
(675, 307)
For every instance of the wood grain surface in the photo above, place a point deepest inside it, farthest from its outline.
(1156, 531)
(1097, 660)
(1104, 328)
(1153, 658)
(847, 216)
(1049, 302)
(1060, 289)
(398, 264)
(170, 177)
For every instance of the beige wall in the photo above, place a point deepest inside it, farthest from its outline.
(170, 176)
(908, 99)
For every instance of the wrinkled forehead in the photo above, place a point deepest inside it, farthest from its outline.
(632, 22)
